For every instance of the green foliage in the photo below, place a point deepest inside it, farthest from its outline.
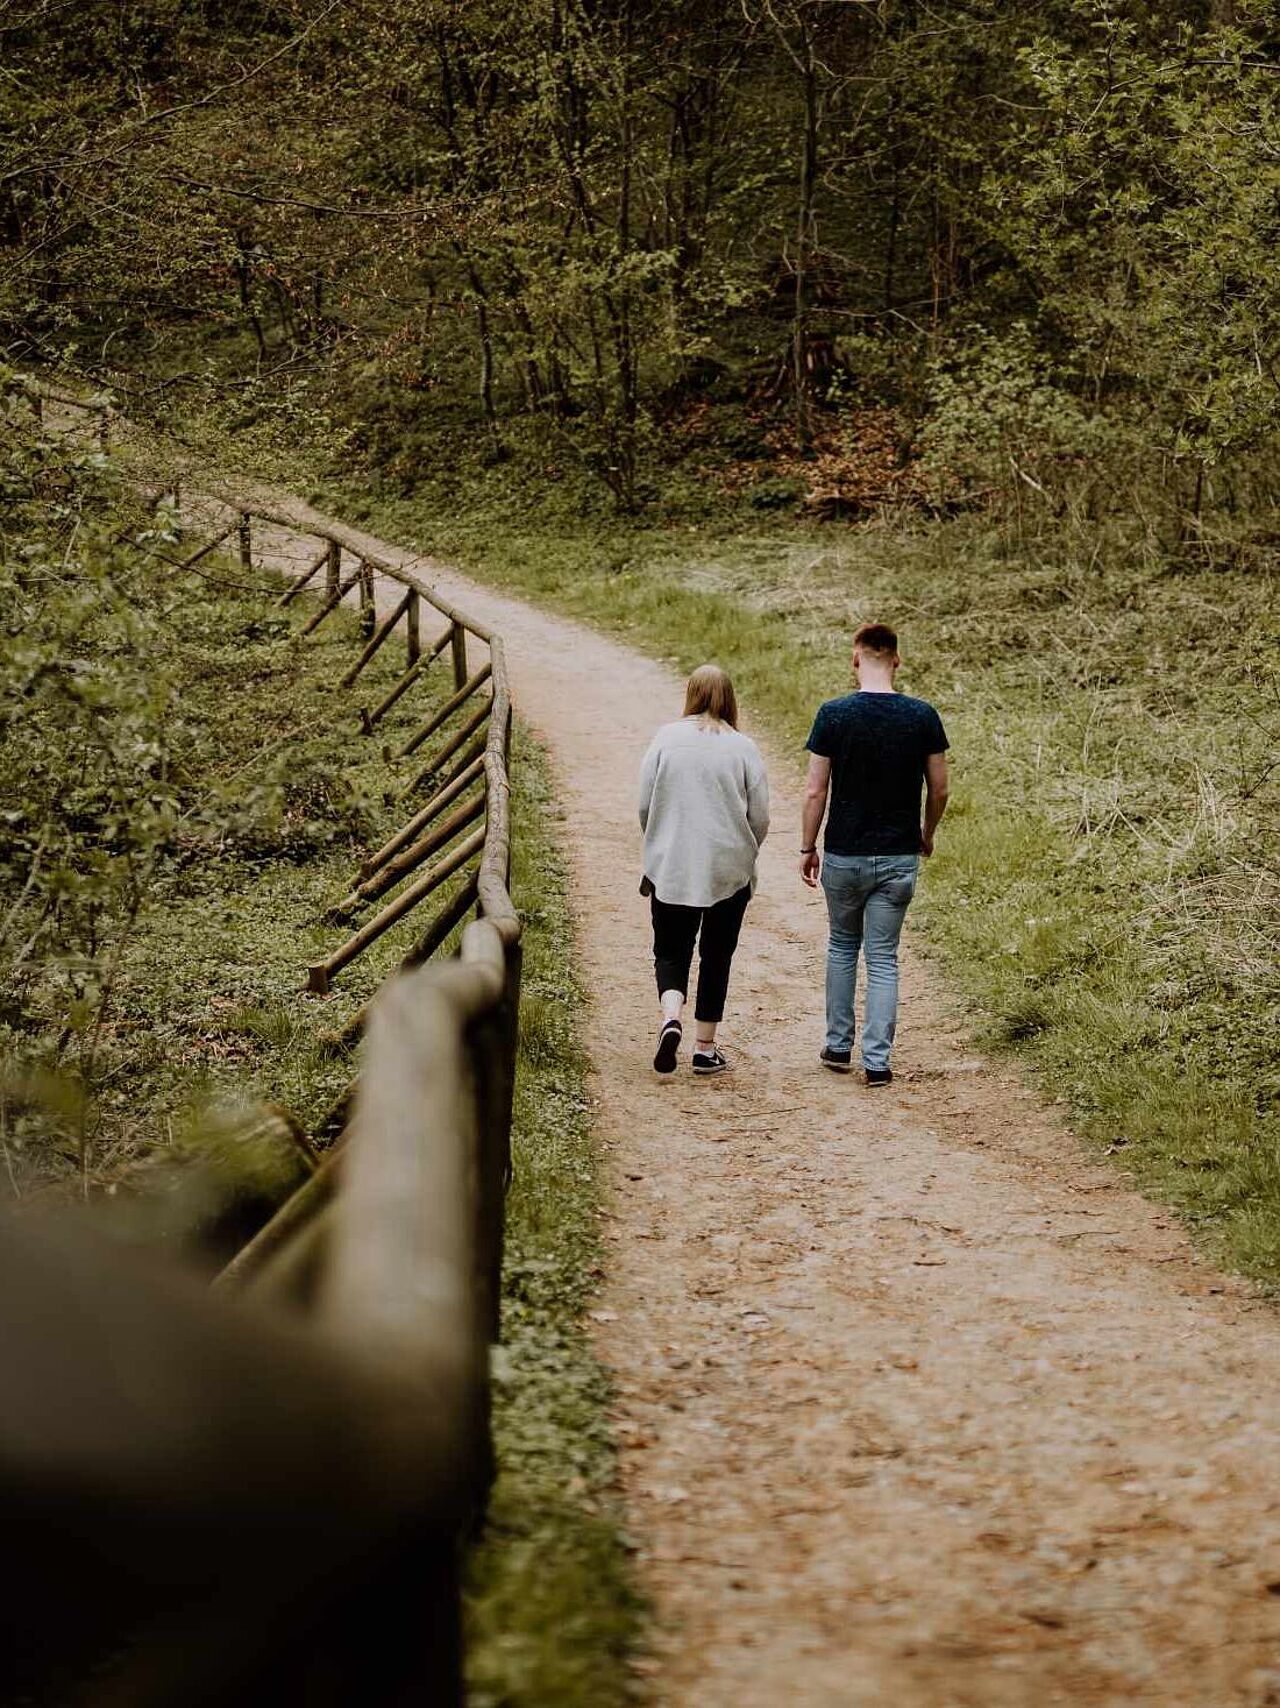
(552, 224)
(184, 799)
(88, 708)
(999, 428)
(1145, 215)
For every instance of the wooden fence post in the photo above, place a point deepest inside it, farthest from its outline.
(377, 638)
(333, 569)
(413, 632)
(246, 541)
(368, 613)
(492, 1042)
(458, 640)
(411, 675)
(494, 1038)
(320, 976)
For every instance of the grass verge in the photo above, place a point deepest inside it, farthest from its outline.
(552, 1614)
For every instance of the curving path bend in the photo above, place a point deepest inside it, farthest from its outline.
(918, 1406)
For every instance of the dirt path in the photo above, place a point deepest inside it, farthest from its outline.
(918, 1407)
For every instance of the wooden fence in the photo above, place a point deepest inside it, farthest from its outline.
(272, 1483)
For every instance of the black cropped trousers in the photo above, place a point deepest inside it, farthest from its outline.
(715, 932)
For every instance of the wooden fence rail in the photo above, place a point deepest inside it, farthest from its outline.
(275, 1479)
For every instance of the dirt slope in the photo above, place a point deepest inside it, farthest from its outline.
(918, 1407)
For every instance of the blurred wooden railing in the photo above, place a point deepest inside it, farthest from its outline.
(270, 1485)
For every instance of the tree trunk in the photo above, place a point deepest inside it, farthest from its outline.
(802, 399)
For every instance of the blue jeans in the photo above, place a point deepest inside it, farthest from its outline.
(867, 899)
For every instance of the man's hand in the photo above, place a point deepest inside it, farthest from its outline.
(815, 805)
(936, 790)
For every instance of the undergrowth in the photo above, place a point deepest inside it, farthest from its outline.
(551, 1610)
(185, 793)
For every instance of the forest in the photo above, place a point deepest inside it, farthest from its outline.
(973, 310)
(1014, 255)
(722, 326)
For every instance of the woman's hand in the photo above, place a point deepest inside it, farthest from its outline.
(810, 866)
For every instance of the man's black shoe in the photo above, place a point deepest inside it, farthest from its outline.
(839, 1061)
(668, 1047)
(879, 1076)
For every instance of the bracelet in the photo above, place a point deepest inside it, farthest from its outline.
(812, 850)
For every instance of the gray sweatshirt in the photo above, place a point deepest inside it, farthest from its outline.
(704, 810)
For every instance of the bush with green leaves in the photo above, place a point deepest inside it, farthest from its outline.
(87, 728)
(1001, 426)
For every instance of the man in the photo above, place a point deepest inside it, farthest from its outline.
(870, 753)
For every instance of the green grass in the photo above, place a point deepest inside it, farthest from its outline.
(1104, 889)
(552, 1614)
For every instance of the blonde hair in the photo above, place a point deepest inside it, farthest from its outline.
(710, 695)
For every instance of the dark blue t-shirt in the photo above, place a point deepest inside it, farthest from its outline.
(877, 745)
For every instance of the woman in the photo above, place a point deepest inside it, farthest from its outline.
(704, 810)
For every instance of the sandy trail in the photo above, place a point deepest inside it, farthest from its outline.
(917, 1405)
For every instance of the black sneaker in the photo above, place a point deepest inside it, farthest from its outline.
(839, 1061)
(668, 1047)
(708, 1061)
(879, 1076)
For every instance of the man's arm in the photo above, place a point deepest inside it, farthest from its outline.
(936, 791)
(815, 805)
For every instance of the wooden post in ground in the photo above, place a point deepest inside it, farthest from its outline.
(411, 675)
(458, 640)
(333, 569)
(368, 614)
(320, 976)
(449, 748)
(391, 872)
(246, 541)
(445, 796)
(413, 632)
